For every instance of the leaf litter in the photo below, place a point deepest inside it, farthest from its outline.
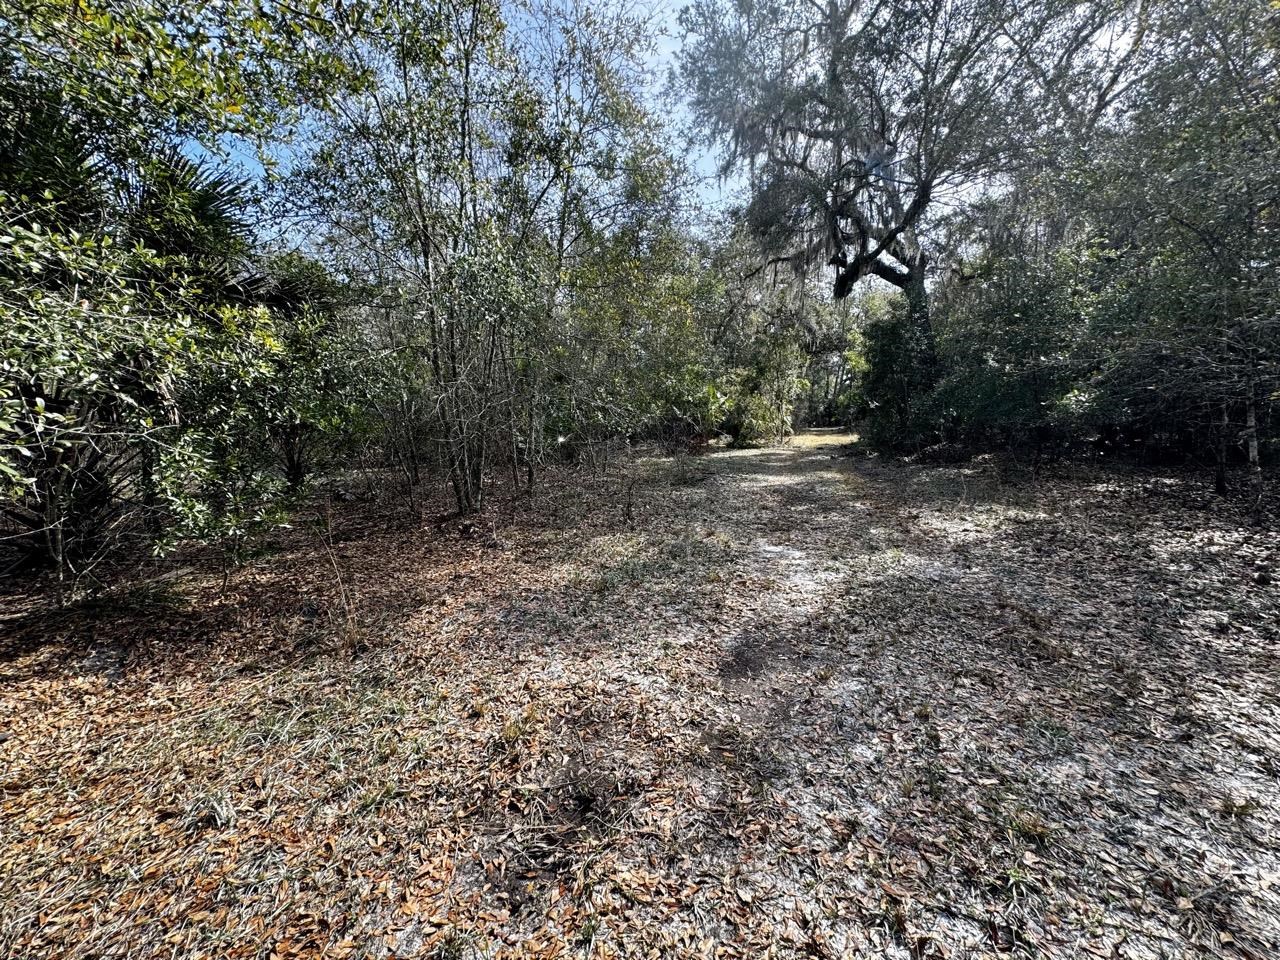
(771, 703)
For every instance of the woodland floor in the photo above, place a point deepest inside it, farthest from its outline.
(786, 702)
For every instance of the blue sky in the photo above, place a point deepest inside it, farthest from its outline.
(704, 159)
(666, 98)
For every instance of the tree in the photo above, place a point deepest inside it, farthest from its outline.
(477, 187)
(1200, 165)
(135, 346)
(853, 120)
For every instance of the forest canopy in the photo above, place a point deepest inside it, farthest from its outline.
(250, 247)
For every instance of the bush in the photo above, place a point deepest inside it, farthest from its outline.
(136, 412)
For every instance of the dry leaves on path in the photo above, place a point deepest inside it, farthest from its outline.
(783, 702)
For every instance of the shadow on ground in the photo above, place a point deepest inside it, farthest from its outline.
(786, 701)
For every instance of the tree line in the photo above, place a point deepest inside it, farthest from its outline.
(247, 244)
(251, 244)
(1065, 213)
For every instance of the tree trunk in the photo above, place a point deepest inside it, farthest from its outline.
(295, 458)
(530, 443)
(917, 295)
(1220, 475)
(1251, 444)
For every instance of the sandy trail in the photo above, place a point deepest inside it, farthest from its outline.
(780, 702)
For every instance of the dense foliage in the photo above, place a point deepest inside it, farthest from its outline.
(248, 244)
(1076, 201)
(460, 250)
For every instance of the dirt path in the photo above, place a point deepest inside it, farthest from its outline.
(757, 703)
